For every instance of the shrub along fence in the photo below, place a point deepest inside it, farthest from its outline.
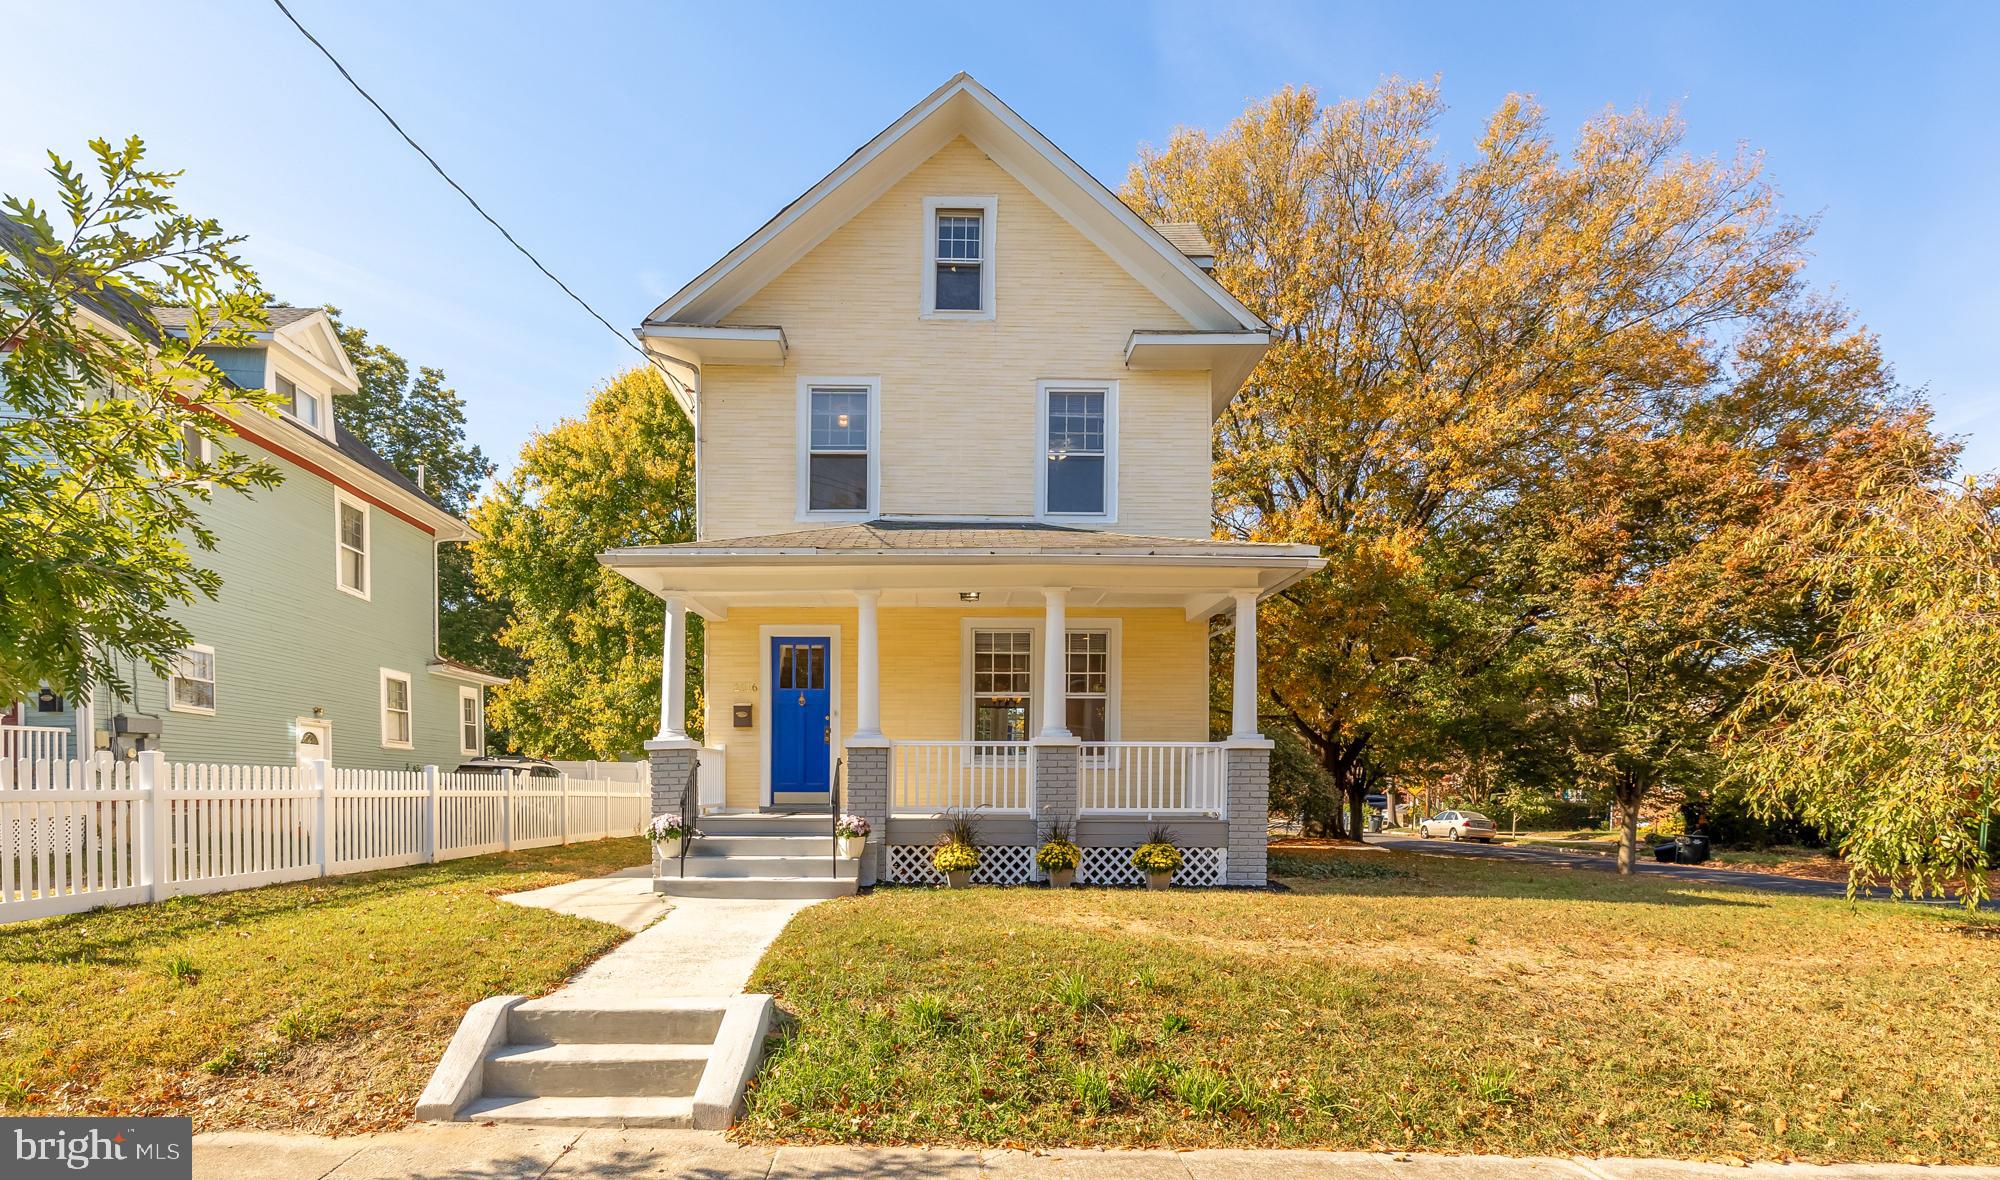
(78, 834)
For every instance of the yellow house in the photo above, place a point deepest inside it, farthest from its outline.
(952, 412)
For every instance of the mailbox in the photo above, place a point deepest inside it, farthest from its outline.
(743, 717)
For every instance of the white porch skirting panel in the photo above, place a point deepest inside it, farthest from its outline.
(1014, 864)
(76, 835)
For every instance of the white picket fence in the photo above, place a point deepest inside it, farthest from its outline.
(77, 834)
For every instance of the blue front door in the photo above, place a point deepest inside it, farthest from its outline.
(801, 716)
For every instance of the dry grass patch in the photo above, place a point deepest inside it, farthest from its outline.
(319, 1006)
(1394, 1001)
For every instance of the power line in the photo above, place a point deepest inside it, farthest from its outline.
(469, 199)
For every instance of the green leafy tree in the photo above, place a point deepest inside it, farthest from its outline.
(417, 423)
(623, 474)
(1886, 735)
(102, 484)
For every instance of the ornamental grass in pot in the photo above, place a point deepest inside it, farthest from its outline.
(1059, 856)
(957, 853)
(1158, 858)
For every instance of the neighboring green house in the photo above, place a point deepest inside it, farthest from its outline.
(323, 642)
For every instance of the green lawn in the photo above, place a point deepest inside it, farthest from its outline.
(317, 1006)
(1391, 1001)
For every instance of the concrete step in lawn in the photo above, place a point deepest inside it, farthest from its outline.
(766, 887)
(662, 1063)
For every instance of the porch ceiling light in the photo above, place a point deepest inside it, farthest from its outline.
(968, 596)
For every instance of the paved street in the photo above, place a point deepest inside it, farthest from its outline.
(1607, 862)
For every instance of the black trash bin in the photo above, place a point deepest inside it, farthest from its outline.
(1668, 853)
(1693, 849)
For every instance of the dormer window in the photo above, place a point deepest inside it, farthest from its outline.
(300, 404)
(958, 257)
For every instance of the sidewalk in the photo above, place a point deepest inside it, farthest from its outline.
(467, 1151)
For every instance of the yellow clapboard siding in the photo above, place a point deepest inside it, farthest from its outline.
(1163, 665)
(959, 433)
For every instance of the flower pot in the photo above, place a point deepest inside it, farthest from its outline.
(852, 847)
(667, 849)
(1159, 880)
(1061, 878)
(959, 878)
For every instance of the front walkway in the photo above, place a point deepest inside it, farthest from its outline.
(467, 1151)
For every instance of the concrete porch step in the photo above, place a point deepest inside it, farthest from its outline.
(761, 844)
(753, 823)
(736, 865)
(764, 887)
(588, 1111)
(676, 1022)
(572, 1070)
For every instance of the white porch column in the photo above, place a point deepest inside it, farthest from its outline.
(867, 678)
(1055, 633)
(1243, 700)
(673, 675)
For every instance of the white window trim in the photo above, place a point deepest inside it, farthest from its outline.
(1110, 391)
(989, 223)
(367, 547)
(214, 684)
(803, 428)
(319, 401)
(410, 696)
(1114, 686)
(762, 733)
(469, 692)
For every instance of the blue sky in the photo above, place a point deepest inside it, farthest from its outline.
(631, 144)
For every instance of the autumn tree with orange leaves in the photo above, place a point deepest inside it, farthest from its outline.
(1494, 386)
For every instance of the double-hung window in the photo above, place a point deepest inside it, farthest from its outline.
(1078, 469)
(1003, 666)
(191, 686)
(837, 466)
(350, 548)
(396, 729)
(1087, 672)
(301, 404)
(471, 725)
(958, 257)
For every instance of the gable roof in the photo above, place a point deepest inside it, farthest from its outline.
(280, 315)
(307, 330)
(960, 107)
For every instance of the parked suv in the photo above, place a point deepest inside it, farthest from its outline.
(1458, 825)
(499, 763)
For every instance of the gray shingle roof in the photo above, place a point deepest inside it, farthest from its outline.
(1186, 237)
(974, 536)
(281, 314)
(111, 304)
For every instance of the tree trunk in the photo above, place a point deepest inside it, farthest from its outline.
(1629, 797)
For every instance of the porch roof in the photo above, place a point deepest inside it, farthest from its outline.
(937, 562)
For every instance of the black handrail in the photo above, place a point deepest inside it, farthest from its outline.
(690, 801)
(833, 807)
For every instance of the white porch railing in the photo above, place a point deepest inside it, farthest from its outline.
(33, 743)
(1152, 778)
(926, 778)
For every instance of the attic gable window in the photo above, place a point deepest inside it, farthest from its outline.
(958, 257)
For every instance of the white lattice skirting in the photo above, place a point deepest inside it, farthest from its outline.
(1013, 864)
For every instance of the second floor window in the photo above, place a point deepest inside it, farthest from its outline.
(837, 457)
(1075, 474)
(351, 545)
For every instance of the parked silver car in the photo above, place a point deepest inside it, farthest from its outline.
(1457, 825)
